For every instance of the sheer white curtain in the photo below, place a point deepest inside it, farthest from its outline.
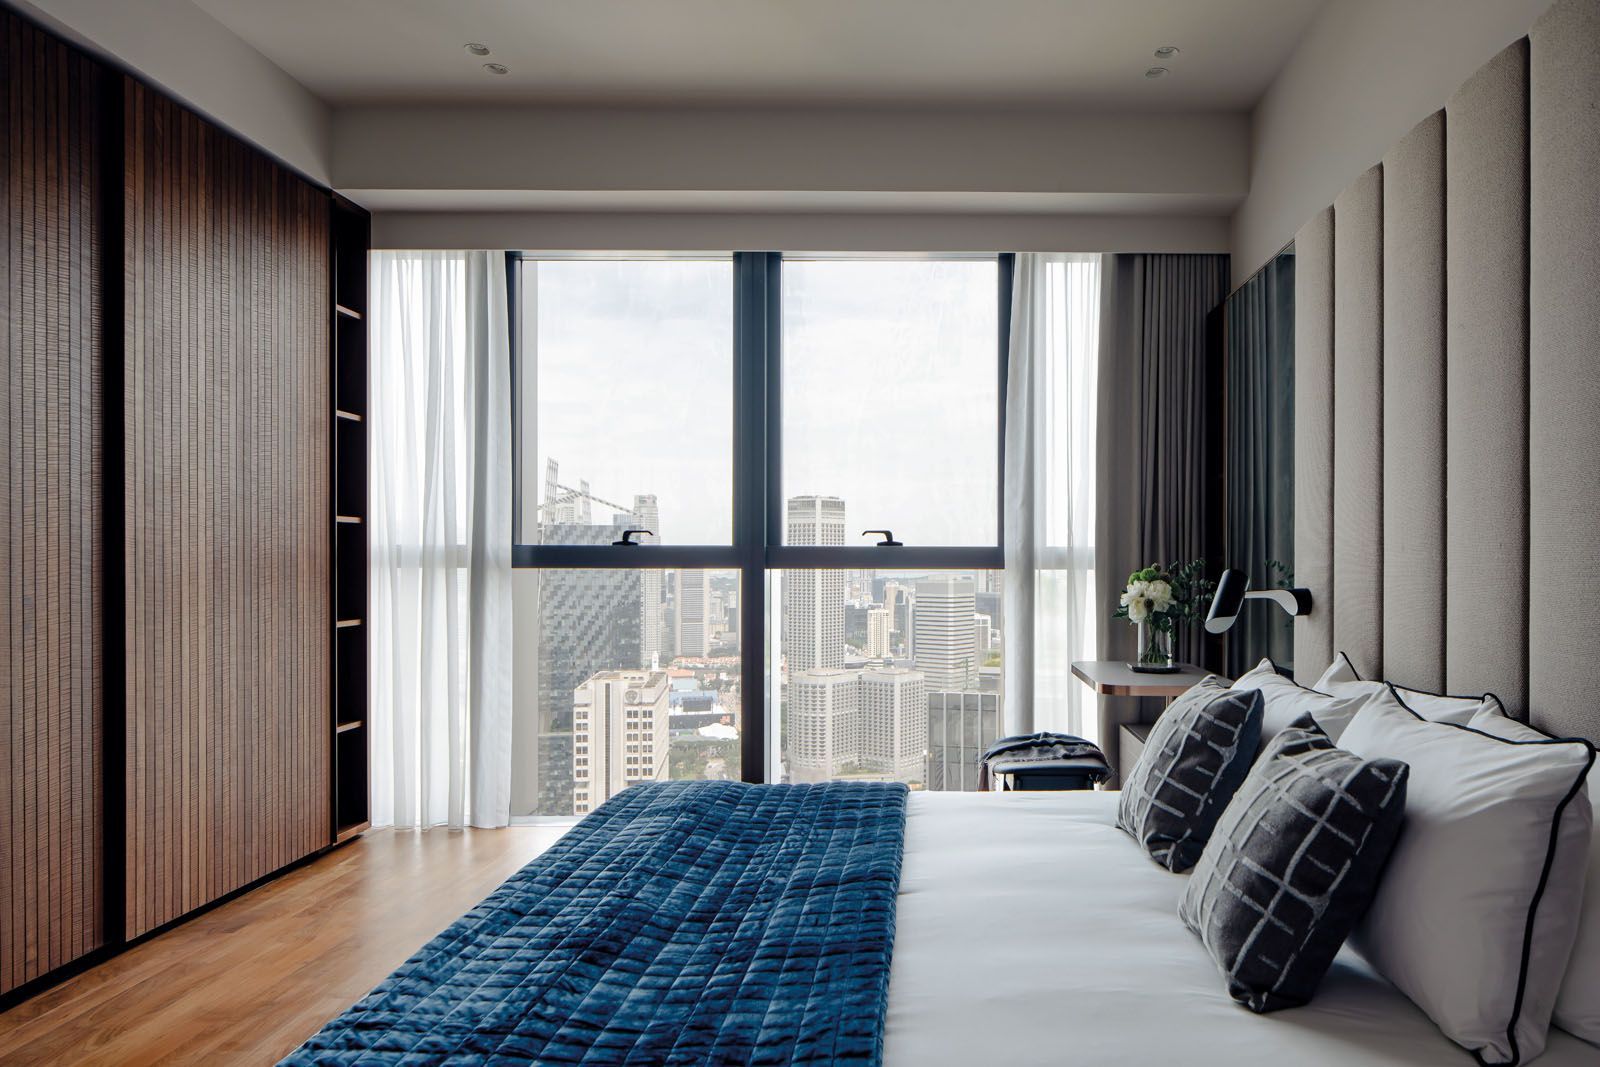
(440, 434)
(1050, 610)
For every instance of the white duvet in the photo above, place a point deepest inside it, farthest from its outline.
(1030, 930)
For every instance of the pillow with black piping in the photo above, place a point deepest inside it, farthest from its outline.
(1578, 1003)
(1475, 916)
(1283, 701)
(1197, 753)
(1341, 679)
(1292, 865)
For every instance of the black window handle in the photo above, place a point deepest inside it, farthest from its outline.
(888, 538)
(627, 537)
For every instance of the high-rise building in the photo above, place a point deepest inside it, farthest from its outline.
(877, 632)
(942, 633)
(982, 632)
(892, 722)
(652, 641)
(588, 622)
(620, 734)
(694, 613)
(813, 600)
(820, 714)
(872, 721)
(961, 727)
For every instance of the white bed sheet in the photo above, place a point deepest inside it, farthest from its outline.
(1030, 930)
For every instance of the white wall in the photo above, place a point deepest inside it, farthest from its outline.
(791, 178)
(175, 45)
(1363, 75)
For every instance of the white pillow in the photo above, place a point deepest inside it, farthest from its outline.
(1475, 916)
(1284, 700)
(1578, 1005)
(1341, 679)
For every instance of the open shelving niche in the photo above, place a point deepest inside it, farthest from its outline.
(351, 235)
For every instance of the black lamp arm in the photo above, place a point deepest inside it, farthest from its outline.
(1294, 601)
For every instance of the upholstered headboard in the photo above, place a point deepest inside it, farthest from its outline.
(1447, 394)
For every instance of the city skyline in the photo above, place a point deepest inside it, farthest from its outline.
(882, 674)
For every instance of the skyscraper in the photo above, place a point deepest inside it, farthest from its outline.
(943, 634)
(652, 641)
(892, 722)
(588, 622)
(961, 727)
(694, 618)
(820, 709)
(619, 734)
(813, 600)
(877, 632)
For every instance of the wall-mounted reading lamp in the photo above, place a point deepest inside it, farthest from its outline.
(1234, 589)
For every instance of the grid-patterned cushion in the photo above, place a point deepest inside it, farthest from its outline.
(1195, 757)
(1293, 864)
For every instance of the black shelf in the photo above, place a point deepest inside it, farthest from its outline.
(351, 232)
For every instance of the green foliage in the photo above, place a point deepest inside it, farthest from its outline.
(1191, 593)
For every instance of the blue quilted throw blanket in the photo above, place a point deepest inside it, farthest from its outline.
(680, 923)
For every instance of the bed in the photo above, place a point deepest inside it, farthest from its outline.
(1031, 931)
(854, 924)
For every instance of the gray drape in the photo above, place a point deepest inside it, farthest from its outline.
(1260, 452)
(1151, 482)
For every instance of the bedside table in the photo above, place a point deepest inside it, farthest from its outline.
(1113, 678)
(1130, 742)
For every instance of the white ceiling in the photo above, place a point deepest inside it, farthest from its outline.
(1034, 53)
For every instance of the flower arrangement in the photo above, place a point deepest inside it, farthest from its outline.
(1158, 598)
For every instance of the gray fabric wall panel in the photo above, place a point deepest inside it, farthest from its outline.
(1564, 379)
(1413, 407)
(1358, 423)
(1313, 440)
(1486, 175)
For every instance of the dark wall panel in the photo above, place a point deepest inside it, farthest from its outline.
(51, 652)
(226, 432)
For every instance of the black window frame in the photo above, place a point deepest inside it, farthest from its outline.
(757, 546)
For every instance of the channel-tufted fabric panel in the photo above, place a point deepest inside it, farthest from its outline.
(1564, 372)
(1313, 438)
(1486, 473)
(1489, 371)
(1413, 406)
(1358, 423)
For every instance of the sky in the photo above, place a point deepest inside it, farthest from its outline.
(890, 390)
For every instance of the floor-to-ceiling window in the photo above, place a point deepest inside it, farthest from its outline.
(755, 413)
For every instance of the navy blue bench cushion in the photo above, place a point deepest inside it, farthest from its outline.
(681, 922)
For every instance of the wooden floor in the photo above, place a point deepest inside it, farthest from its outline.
(249, 981)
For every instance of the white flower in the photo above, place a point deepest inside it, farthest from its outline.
(1139, 609)
(1160, 594)
(1136, 591)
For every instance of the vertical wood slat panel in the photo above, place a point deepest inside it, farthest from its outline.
(52, 907)
(227, 484)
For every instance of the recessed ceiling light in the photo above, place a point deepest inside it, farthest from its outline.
(497, 68)
(1156, 72)
(476, 49)
(1166, 51)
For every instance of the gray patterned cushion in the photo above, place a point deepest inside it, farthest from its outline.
(1195, 757)
(1293, 864)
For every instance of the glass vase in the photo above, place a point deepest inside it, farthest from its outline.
(1155, 646)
